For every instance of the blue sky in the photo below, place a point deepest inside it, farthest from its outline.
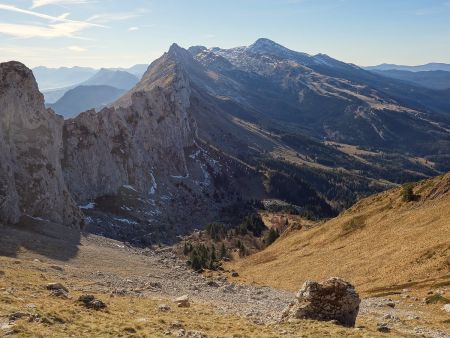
(108, 33)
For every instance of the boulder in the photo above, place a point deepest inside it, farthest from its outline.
(331, 300)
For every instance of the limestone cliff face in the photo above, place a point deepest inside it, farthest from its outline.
(143, 135)
(31, 179)
(137, 164)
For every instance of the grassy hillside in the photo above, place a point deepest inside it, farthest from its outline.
(382, 244)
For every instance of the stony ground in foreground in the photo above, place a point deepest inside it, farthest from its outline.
(133, 283)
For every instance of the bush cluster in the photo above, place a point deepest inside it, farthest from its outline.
(203, 257)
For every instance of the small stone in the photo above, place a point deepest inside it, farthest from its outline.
(182, 301)
(17, 315)
(234, 274)
(56, 286)
(163, 308)
(176, 325)
(212, 284)
(180, 333)
(130, 330)
(411, 317)
(57, 267)
(196, 334)
(446, 308)
(90, 302)
(59, 293)
(383, 328)
(155, 285)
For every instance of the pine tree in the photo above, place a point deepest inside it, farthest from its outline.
(223, 251)
(196, 263)
(213, 253)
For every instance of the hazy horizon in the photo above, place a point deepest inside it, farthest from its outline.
(111, 33)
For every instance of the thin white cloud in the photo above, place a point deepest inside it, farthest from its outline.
(61, 18)
(119, 16)
(133, 29)
(59, 26)
(77, 49)
(67, 30)
(40, 3)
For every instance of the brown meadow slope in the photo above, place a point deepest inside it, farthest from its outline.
(381, 244)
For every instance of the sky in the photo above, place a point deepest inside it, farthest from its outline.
(121, 33)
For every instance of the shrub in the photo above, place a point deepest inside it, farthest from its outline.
(408, 193)
(436, 298)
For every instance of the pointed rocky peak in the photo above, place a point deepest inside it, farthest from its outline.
(265, 45)
(178, 52)
(269, 47)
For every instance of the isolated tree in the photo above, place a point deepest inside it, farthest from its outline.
(408, 193)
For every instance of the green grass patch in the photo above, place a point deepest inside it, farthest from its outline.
(436, 299)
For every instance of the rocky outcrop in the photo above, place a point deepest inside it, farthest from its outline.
(142, 136)
(144, 144)
(334, 299)
(31, 178)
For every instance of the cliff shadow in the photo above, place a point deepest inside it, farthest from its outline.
(41, 237)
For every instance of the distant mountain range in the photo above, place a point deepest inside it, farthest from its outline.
(102, 88)
(56, 78)
(82, 98)
(54, 82)
(420, 68)
(433, 79)
(114, 78)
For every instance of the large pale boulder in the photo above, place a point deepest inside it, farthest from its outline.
(333, 299)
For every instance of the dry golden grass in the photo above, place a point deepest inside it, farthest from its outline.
(381, 243)
(127, 316)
